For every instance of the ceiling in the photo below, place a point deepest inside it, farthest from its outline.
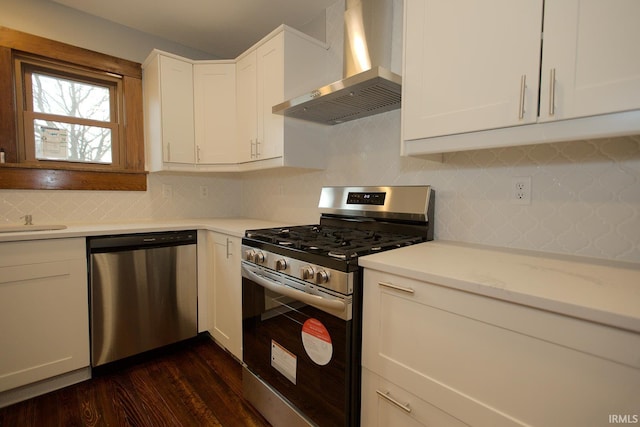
(223, 28)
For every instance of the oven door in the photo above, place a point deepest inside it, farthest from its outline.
(298, 339)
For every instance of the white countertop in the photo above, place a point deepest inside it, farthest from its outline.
(232, 226)
(601, 291)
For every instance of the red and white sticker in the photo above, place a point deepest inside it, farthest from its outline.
(317, 341)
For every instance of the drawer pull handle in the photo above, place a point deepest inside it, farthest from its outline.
(396, 287)
(405, 407)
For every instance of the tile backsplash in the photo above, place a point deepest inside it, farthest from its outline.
(585, 194)
(167, 196)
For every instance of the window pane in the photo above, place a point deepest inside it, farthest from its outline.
(55, 95)
(72, 142)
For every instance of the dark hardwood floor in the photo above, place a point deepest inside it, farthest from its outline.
(194, 383)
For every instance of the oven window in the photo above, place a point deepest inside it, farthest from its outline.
(300, 351)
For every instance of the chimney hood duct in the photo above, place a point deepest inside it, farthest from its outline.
(368, 86)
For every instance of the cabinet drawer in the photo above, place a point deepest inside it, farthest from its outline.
(38, 251)
(490, 362)
(386, 404)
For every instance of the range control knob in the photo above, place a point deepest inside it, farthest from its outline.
(258, 258)
(322, 277)
(249, 255)
(307, 273)
(281, 264)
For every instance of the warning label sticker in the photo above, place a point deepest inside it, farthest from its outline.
(284, 361)
(317, 341)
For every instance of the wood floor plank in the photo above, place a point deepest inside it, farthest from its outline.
(227, 405)
(195, 383)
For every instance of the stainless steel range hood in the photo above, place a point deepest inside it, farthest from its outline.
(368, 86)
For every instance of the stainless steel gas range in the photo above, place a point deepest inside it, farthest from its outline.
(302, 301)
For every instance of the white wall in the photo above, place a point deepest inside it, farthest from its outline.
(586, 194)
(48, 19)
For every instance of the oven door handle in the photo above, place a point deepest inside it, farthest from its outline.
(314, 300)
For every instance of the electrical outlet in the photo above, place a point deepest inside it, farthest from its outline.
(167, 191)
(204, 191)
(521, 190)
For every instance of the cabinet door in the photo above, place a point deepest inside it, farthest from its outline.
(215, 113)
(270, 93)
(43, 310)
(246, 104)
(176, 82)
(591, 60)
(226, 307)
(471, 352)
(470, 65)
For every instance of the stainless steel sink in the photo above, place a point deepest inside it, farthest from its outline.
(11, 228)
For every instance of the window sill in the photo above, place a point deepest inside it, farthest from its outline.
(13, 176)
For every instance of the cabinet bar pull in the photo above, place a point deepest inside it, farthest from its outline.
(257, 152)
(168, 151)
(523, 85)
(228, 253)
(396, 287)
(198, 154)
(385, 395)
(252, 151)
(552, 91)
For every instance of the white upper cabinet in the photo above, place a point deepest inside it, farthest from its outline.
(470, 65)
(284, 64)
(270, 57)
(507, 73)
(247, 106)
(592, 49)
(260, 86)
(215, 112)
(168, 110)
(190, 112)
(216, 116)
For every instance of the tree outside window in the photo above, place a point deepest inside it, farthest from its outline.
(68, 115)
(57, 140)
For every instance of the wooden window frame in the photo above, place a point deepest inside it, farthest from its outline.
(25, 67)
(21, 171)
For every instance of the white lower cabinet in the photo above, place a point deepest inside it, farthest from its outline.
(43, 310)
(460, 358)
(386, 404)
(224, 291)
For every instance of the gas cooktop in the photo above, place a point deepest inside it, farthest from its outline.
(335, 242)
(354, 221)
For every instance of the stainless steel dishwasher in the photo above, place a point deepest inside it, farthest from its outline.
(143, 292)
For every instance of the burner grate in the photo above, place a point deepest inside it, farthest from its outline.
(336, 242)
